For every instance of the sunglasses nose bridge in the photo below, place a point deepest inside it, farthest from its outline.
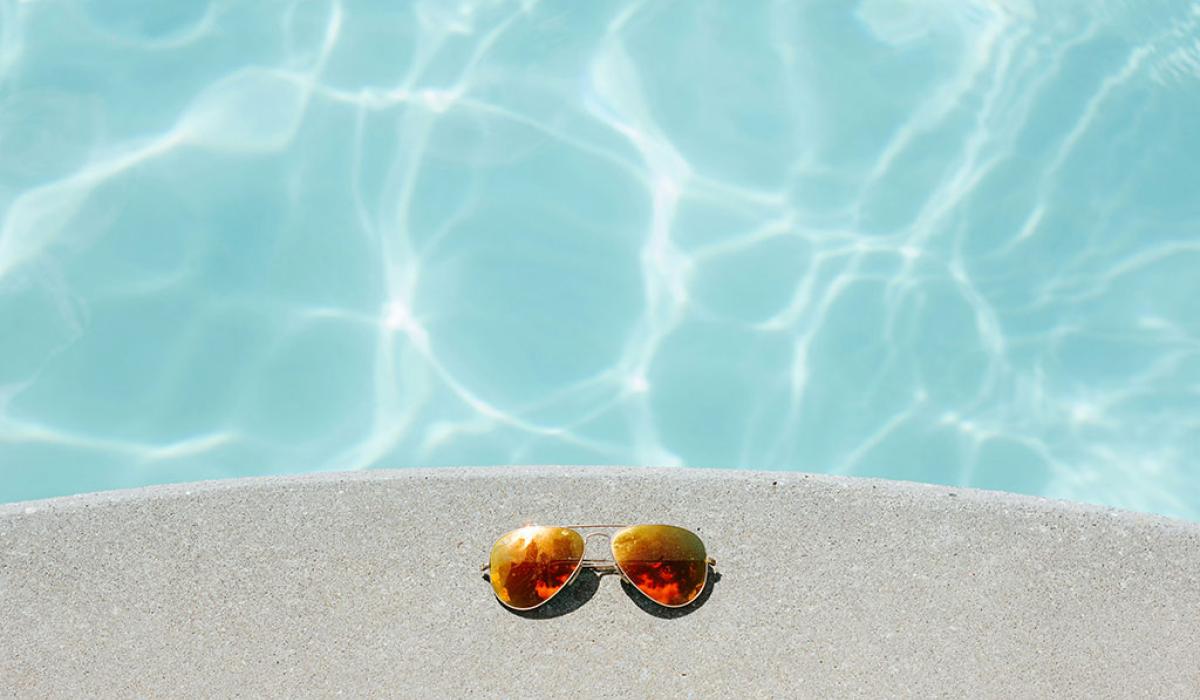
(589, 551)
(602, 562)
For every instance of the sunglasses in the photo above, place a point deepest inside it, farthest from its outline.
(529, 566)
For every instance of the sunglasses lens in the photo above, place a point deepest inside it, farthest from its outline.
(530, 565)
(666, 563)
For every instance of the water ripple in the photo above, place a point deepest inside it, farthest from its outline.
(946, 241)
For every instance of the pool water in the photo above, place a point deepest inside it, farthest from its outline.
(950, 241)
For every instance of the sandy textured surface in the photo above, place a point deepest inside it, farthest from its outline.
(368, 583)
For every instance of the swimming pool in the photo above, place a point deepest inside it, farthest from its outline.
(951, 241)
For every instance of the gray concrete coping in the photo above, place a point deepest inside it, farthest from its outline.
(368, 584)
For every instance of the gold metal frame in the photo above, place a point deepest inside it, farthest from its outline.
(605, 566)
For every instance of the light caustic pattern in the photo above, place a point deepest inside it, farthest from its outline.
(952, 241)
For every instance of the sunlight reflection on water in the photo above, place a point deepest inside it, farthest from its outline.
(951, 242)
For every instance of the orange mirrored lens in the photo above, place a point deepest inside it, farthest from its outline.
(666, 563)
(528, 566)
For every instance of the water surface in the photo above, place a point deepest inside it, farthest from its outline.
(952, 241)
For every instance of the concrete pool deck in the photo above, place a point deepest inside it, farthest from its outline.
(368, 583)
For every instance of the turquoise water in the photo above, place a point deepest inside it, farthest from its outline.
(951, 241)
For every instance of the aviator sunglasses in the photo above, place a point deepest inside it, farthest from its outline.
(530, 565)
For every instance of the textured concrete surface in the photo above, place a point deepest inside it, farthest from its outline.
(367, 583)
